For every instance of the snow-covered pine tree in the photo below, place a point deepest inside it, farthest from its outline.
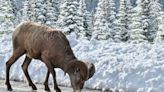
(111, 17)
(101, 28)
(68, 18)
(28, 10)
(146, 19)
(156, 15)
(34, 10)
(155, 8)
(52, 12)
(63, 12)
(14, 10)
(159, 20)
(136, 32)
(85, 21)
(149, 13)
(124, 19)
(40, 11)
(6, 16)
(160, 33)
(25, 10)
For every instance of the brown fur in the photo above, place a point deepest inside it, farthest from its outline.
(48, 45)
(37, 39)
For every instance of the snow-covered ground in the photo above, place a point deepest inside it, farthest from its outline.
(23, 87)
(124, 66)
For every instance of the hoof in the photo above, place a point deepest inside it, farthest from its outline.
(34, 87)
(9, 88)
(47, 89)
(58, 90)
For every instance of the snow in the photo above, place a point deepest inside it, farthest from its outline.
(121, 66)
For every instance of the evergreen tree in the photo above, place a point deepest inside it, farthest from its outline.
(155, 8)
(146, 19)
(124, 19)
(101, 28)
(14, 12)
(136, 32)
(40, 11)
(52, 12)
(149, 11)
(159, 23)
(34, 10)
(85, 21)
(28, 10)
(111, 12)
(155, 15)
(6, 16)
(68, 18)
(111, 17)
(160, 33)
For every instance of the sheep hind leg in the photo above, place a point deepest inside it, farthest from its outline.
(25, 65)
(16, 54)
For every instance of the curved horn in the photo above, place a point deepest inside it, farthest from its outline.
(74, 65)
(91, 68)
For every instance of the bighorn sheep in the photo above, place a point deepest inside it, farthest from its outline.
(52, 48)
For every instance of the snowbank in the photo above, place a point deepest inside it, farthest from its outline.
(131, 67)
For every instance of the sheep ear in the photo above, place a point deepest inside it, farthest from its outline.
(91, 68)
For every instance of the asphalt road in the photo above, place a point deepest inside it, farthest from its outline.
(23, 87)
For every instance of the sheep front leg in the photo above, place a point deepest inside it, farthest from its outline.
(46, 81)
(16, 54)
(52, 71)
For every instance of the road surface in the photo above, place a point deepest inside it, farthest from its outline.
(23, 87)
